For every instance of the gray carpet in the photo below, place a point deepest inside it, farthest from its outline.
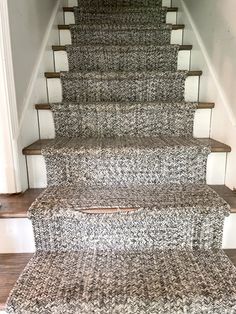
(110, 119)
(120, 16)
(120, 34)
(106, 58)
(108, 282)
(124, 143)
(123, 86)
(124, 161)
(166, 217)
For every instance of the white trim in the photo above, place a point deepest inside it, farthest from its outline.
(210, 65)
(35, 71)
(9, 164)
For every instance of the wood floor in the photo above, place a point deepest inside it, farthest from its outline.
(16, 205)
(11, 265)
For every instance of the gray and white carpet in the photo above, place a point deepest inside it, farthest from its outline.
(124, 142)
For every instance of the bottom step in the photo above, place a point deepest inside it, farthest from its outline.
(115, 282)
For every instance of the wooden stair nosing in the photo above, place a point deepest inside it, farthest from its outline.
(206, 105)
(17, 205)
(216, 146)
(52, 75)
(63, 48)
(169, 9)
(227, 194)
(174, 26)
(201, 105)
(177, 26)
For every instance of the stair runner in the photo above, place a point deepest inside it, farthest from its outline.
(124, 144)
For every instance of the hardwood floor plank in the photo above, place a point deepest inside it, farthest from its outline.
(16, 205)
(228, 195)
(11, 266)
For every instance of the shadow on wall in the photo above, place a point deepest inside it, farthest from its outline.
(216, 24)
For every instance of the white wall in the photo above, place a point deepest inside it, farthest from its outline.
(211, 28)
(33, 27)
(28, 23)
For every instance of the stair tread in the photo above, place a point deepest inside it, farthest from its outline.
(201, 105)
(169, 9)
(174, 26)
(153, 198)
(17, 205)
(36, 147)
(47, 271)
(227, 194)
(63, 47)
(53, 75)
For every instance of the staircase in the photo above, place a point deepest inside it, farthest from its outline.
(128, 222)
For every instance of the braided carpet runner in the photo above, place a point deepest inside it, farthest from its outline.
(169, 281)
(124, 144)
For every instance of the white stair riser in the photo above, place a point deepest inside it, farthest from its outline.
(17, 235)
(229, 239)
(165, 3)
(55, 89)
(216, 165)
(69, 17)
(61, 60)
(176, 37)
(37, 170)
(72, 3)
(201, 123)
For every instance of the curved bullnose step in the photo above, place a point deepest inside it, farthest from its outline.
(36, 147)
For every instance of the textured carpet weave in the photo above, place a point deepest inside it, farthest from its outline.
(116, 3)
(123, 58)
(155, 224)
(156, 16)
(123, 86)
(128, 283)
(122, 161)
(124, 145)
(120, 34)
(123, 119)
